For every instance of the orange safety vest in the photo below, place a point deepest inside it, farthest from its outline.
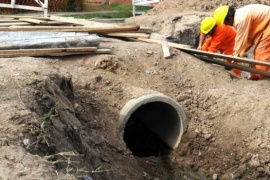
(221, 40)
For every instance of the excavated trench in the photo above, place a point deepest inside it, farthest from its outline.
(150, 125)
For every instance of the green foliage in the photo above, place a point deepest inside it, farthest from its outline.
(100, 7)
(71, 5)
(71, 166)
(49, 114)
(115, 10)
(5, 98)
(104, 15)
(121, 7)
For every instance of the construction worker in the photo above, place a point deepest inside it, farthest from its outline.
(221, 38)
(251, 23)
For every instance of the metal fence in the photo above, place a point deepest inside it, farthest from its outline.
(22, 6)
(41, 6)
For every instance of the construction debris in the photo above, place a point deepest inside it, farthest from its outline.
(61, 36)
(57, 36)
(32, 40)
(166, 49)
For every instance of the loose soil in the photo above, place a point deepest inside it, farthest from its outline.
(59, 116)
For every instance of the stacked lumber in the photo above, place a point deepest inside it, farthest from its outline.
(56, 24)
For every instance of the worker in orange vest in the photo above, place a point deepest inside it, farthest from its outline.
(221, 38)
(251, 23)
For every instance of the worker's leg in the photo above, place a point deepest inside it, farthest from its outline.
(235, 71)
(261, 53)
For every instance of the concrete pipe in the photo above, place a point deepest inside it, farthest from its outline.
(158, 112)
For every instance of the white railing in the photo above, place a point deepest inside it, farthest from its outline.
(142, 3)
(43, 6)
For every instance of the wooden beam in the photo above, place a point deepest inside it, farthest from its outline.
(157, 36)
(103, 51)
(8, 20)
(55, 53)
(49, 23)
(160, 42)
(147, 30)
(17, 17)
(128, 35)
(82, 22)
(101, 30)
(233, 65)
(34, 21)
(48, 50)
(223, 56)
(166, 49)
(187, 49)
(15, 24)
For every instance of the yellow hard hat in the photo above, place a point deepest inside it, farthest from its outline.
(207, 24)
(220, 14)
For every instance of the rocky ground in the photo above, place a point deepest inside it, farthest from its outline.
(59, 116)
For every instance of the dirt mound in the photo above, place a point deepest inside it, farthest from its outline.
(197, 5)
(61, 114)
(182, 19)
(66, 111)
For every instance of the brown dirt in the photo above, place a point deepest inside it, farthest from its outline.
(59, 116)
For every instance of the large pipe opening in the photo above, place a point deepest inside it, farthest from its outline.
(152, 124)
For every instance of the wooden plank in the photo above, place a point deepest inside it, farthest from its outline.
(223, 56)
(166, 49)
(83, 22)
(103, 51)
(34, 21)
(17, 17)
(15, 24)
(49, 23)
(101, 30)
(147, 30)
(98, 51)
(215, 55)
(160, 42)
(129, 35)
(157, 36)
(233, 65)
(8, 20)
(48, 50)
(32, 54)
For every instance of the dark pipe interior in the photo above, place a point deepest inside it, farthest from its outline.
(139, 137)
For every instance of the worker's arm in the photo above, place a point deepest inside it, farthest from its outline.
(206, 44)
(201, 40)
